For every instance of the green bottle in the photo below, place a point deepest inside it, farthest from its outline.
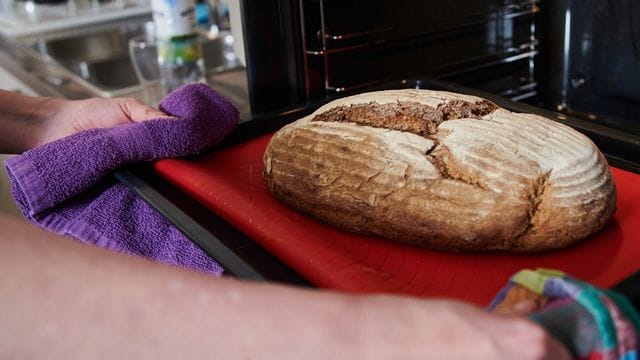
(179, 49)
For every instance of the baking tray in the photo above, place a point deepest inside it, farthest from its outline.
(221, 203)
(229, 182)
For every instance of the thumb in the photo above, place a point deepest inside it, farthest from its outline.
(136, 111)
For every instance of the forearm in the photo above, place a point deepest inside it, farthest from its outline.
(21, 118)
(61, 299)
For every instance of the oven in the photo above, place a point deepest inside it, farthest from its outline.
(577, 58)
(559, 59)
(311, 49)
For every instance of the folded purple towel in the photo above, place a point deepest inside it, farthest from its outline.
(62, 187)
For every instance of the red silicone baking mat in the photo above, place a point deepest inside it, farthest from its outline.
(229, 182)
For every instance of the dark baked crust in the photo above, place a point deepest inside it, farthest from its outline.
(410, 116)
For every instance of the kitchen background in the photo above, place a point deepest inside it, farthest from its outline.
(80, 48)
(7, 206)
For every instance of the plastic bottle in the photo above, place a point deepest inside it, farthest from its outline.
(203, 16)
(179, 50)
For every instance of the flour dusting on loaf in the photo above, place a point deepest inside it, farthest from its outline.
(442, 170)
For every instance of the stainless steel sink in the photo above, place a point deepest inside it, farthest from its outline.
(100, 58)
(87, 56)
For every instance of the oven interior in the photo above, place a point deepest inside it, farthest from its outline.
(579, 58)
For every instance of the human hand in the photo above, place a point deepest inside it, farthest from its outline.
(591, 322)
(519, 301)
(410, 328)
(66, 117)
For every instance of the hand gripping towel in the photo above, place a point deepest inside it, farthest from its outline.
(64, 186)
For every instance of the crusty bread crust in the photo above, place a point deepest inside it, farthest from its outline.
(482, 178)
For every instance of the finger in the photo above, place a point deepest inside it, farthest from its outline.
(137, 111)
(526, 307)
(557, 350)
(522, 308)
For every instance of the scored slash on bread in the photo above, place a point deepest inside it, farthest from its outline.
(442, 170)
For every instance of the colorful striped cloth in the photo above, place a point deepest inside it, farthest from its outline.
(592, 323)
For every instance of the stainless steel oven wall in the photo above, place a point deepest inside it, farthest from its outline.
(590, 60)
(273, 53)
(301, 50)
(350, 44)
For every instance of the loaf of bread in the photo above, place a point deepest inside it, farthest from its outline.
(442, 170)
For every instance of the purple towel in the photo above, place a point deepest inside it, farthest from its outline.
(62, 186)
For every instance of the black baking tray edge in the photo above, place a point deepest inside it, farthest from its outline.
(241, 257)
